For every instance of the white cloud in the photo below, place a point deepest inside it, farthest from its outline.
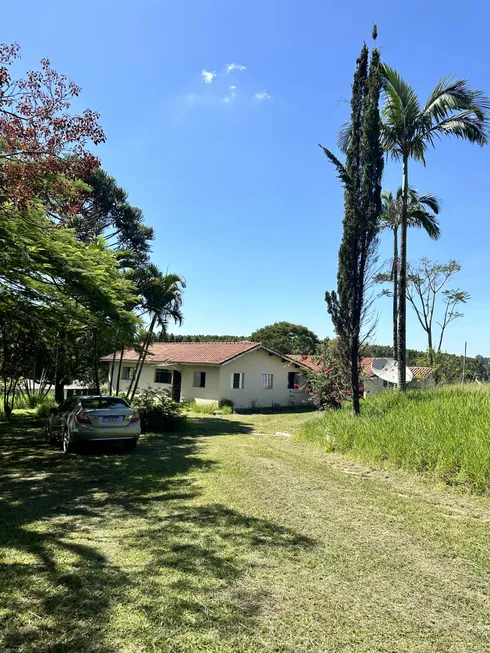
(228, 98)
(234, 66)
(262, 95)
(207, 76)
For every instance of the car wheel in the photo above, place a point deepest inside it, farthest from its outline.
(129, 445)
(65, 443)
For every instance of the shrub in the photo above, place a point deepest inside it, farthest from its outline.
(226, 403)
(158, 411)
(32, 400)
(209, 409)
(43, 408)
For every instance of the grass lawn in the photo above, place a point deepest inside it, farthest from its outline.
(230, 539)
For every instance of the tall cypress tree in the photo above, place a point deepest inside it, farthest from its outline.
(361, 176)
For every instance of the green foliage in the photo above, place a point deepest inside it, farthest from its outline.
(442, 431)
(43, 264)
(43, 408)
(23, 400)
(327, 385)
(162, 299)
(210, 409)
(163, 336)
(287, 338)
(106, 212)
(158, 412)
(361, 178)
(448, 367)
(409, 129)
(225, 402)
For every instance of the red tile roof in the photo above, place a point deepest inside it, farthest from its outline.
(418, 372)
(205, 353)
(307, 361)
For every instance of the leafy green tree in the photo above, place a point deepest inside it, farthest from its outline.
(105, 211)
(287, 338)
(361, 177)
(409, 129)
(162, 301)
(422, 213)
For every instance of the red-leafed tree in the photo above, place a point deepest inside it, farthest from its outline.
(43, 147)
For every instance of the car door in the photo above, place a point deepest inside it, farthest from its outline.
(59, 418)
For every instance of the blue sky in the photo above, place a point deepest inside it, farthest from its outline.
(243, 202)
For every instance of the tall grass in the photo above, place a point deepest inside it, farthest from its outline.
(445, 431)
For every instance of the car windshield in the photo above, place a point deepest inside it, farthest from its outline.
(103, 402)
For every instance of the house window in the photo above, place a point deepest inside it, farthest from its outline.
(267, 380)
(199, 380)
(237, 381)
(163, 376)
(127, 373)
(293, 380)
(385, 384)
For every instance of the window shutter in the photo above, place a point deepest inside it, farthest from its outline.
(237, 381)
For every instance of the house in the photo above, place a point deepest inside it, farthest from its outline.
(423, 377)
(248, 373)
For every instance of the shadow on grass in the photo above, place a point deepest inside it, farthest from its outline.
(108, 549)
(208, 426)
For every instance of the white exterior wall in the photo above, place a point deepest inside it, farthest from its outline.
(218, 381)
(147, 378)
(209, 393)
(253, 365)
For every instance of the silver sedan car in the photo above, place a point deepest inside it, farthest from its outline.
(93, 418)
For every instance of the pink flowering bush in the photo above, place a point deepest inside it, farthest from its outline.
(326, 384)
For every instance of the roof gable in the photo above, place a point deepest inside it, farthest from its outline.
(199, 353)
(187, 353)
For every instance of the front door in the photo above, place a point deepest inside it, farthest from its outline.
(177, 386)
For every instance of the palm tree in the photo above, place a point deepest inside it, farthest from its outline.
(162, 299)
(453, 109)
(422, 213)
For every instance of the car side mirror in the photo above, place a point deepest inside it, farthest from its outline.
(53, 410)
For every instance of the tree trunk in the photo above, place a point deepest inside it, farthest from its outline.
(96, 363)
(395, 293)
(402, 288)
(111, 375)
(431, 348)
(119, 369)
(356, 407)
(142, 359)
(59, 391)
(132, 382)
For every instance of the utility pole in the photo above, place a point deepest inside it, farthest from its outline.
(464, 360)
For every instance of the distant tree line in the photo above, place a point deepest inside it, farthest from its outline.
(290, 338)
(174, 337)
(448, 368)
